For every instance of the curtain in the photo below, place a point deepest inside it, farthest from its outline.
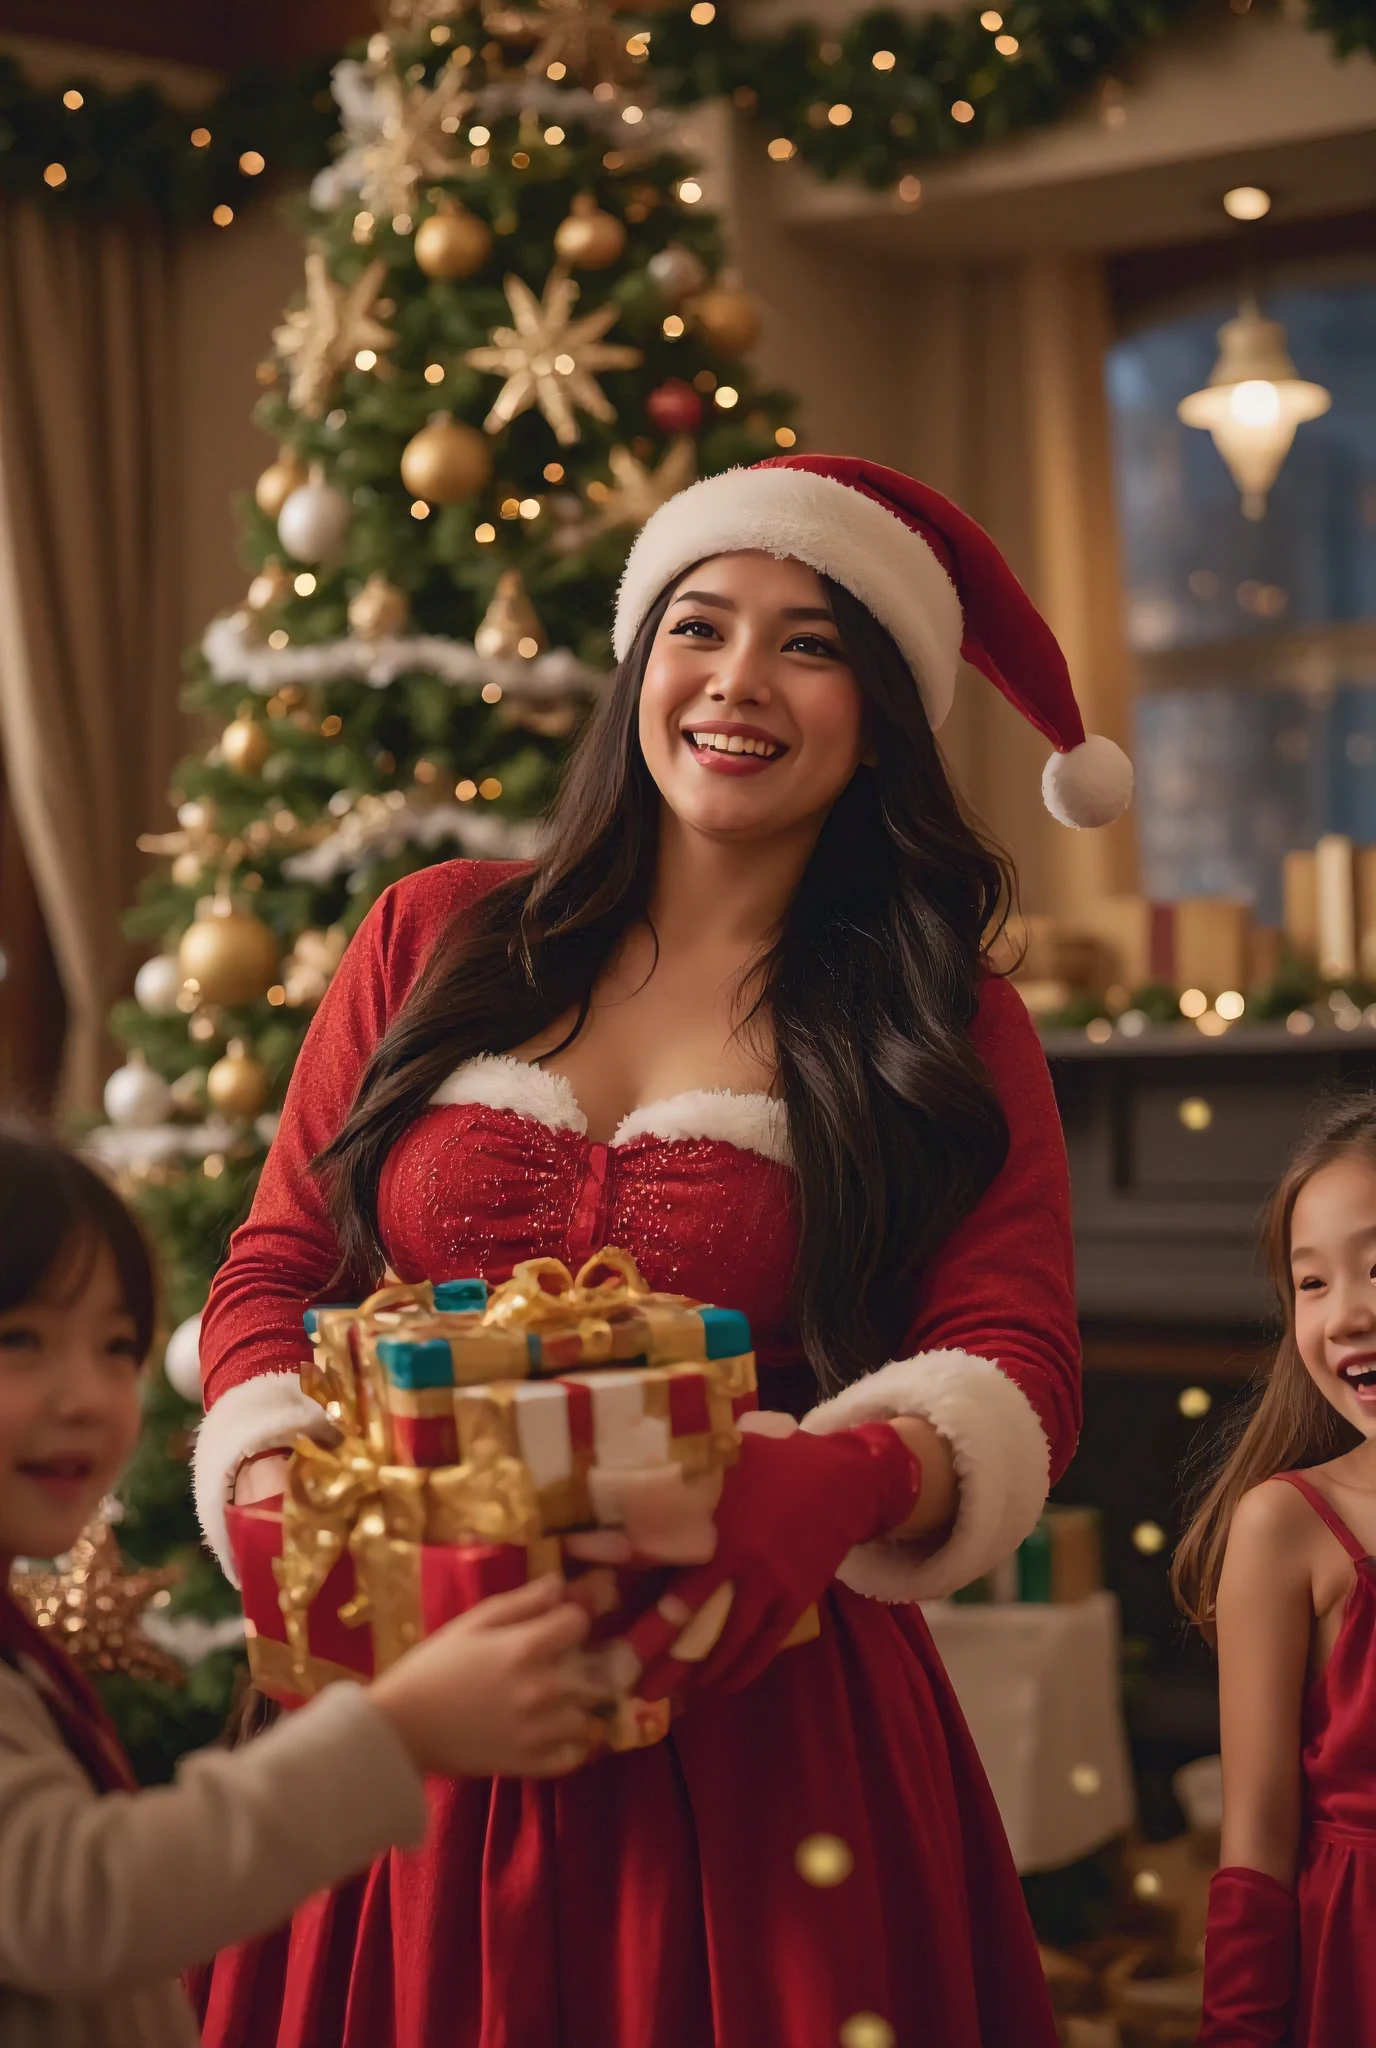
(88, 580)
(32, 1013)
(1009, 417)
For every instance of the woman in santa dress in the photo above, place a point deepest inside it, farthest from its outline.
(737, 1020)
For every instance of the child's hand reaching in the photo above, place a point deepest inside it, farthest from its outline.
(499, 1692)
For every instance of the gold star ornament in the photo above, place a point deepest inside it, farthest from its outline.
(416, 138)
(321, 338)
(402, 15)
(584, 36)
(550, 359)
(91, 1607)
(638, 491)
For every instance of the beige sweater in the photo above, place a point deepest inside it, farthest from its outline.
(104, 1899)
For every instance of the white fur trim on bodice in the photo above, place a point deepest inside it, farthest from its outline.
(750, 1123)
(1002, 1462)
(499, 1082)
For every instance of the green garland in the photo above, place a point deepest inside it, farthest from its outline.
(132, 152)
(949, 87)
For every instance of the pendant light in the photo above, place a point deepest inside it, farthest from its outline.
(1255, 397)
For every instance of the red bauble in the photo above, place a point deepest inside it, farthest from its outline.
(675, 407)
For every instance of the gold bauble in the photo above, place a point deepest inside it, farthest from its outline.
(588, 238)
(511, 628)
(453, 242)
(270, 586)
(245, 745)
(278, 481)
(727, 319)
(230, 954)
(237, 1084)
(378, 610)
(446, 462)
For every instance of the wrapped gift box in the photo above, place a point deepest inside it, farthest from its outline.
(474, 1431)
(347, 1639)
(416, 1370)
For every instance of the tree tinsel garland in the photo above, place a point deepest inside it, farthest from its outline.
(131, 152)
(819, 89)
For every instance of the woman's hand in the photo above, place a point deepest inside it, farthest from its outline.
(261, 1478)
(499, 1692)
(791, 1509)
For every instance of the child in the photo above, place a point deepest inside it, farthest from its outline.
(1279, 1562)
(106, 1892)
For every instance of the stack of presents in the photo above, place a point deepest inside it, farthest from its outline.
(1121, 945)
(475, 1432)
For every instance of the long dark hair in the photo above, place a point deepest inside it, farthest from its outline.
(870, 988)
(56, 1213)
(1287, 1423)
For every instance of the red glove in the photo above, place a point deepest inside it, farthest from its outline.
(791, 1510)
(1251, 1961)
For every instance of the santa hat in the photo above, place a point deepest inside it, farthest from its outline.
(928, 573)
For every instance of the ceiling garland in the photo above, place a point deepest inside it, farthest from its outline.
(873, 101)
(878, 98)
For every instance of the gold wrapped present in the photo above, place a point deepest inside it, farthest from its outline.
(468, 1446)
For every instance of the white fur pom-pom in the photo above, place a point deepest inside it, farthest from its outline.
(1090, 785)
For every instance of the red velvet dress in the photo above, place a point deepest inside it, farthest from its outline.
(652, 1900)
(1335, 2002)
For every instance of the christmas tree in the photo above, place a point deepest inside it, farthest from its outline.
(514, 340)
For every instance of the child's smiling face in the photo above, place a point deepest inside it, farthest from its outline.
(1333, 1268)
(69, 1403)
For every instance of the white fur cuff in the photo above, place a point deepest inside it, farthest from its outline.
(1002, 1461)
(265, 1413)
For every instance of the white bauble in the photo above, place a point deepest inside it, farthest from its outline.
(157, 985)
(676, 273)
(136, 1097)
(312, 524)
(182, 1360)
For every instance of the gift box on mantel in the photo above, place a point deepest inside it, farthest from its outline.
(476, 1430)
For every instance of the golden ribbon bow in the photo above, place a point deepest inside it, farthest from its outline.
(342, 1499)
(543, 1294)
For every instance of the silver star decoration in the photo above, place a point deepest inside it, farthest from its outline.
(549, 359)
(638, 491)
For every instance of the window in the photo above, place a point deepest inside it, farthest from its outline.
(1256, 641)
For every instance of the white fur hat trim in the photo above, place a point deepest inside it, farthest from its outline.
(836, 530)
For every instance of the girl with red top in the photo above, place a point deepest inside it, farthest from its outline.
(1279, 1562)
(737, 1021)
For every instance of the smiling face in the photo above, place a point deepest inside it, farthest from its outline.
(751, 722)
(69, 1404)
(1333, 1267)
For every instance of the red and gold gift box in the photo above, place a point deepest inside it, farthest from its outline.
(405, 1375)
(357, 1624)
(470, 1440)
